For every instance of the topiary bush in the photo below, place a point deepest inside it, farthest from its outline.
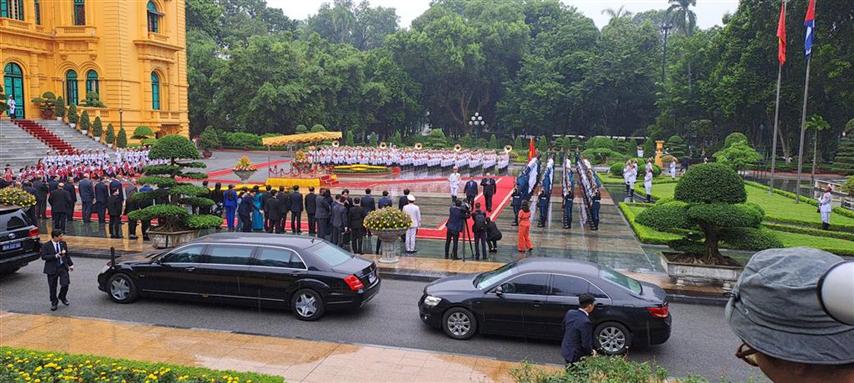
(181, 196)
(748, 238)
(732, 138)
(110, 137)
(616, 169)
(602, 155)
(122, 139)
(85, 122)
(843, 162)
(600, 142)
(59, 108)
(142, 132)
(241, 140)
(739, 155)
(209, 139)
(97, 129)
(73, 117)
(709, 199)
(318, 128)
(676, 147)
(301, 129)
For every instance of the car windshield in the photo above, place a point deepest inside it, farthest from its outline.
(620, 279)
(490, 277)
(332, 255)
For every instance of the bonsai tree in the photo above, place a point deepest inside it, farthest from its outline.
(734, 137)
(97, 129)
(676, 147)
(73, 117)
(317, 128)
(47, 103)
(142, 132)
(180, 197)
(93, 100)
(60, 107)
(301, 129)
(110, 138)
(737, 152)
(122, 138)
(844, 160)
(84, 121)
(709, 207)
(209, 139)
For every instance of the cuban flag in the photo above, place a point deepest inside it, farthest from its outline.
(809, 22)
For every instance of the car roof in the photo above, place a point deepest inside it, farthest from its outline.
(291, 241)
(558, 265)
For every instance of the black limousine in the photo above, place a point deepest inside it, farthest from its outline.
(307, 275)
(529, 298)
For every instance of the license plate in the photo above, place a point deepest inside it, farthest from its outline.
(372, 277)
(12, 246)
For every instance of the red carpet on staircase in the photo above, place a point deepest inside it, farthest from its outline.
(44, 135)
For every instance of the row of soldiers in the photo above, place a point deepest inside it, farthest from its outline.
(429, 158)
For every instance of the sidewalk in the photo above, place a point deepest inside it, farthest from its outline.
(295, 360)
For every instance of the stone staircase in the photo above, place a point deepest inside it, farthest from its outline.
(44, 135)
(72, 136)
(18, 148)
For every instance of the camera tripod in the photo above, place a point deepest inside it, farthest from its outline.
(466, 238)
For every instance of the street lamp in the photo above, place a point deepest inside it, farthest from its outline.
(666, 27)
(477, 120)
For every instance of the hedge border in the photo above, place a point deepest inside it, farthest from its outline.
(810, 231)
(195, 373)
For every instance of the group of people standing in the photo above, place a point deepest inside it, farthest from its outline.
(410, 157)
(630, 175)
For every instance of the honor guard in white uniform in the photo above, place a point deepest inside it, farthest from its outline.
(454, 182)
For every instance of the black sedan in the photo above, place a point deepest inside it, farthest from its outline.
(529, 298)
(306, 274)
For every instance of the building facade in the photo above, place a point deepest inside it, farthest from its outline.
(130, 52)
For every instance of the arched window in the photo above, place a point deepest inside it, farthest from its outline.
(153, 17)
(12, 9)
(79, 16)
(38, 11)
(13, 83)
(92, 83)
(71, 87)
(155, 91)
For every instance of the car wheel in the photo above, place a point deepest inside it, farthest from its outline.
(308, 305)
(122, 289)
(612, 338)
(459, 323)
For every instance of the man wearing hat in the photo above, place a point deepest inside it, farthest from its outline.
(414, 213)
(784, 329)
(454, 181)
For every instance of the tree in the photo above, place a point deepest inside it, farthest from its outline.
(816, 123)
(317, 128)
(675, 146)
(301, 129)
(618, 13)
(97, 128)
(122, 139)
(711, 198)
(209, 139)
(349, 140)
(844, 160)
(735, 137)
(142, 132)
(493, 142)
(738, 155)
(73, 118)
(181, 197)
(84, 121)
(60, 107)
(345, 22)
(682, 16)
(110, 138)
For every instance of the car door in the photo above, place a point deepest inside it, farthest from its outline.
(505, 313)
(172, 273)
(220, 274)
(273, 271)
(563, 296)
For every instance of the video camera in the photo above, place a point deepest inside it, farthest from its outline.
(835, 292)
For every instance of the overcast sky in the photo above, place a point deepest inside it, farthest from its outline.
(709, 12)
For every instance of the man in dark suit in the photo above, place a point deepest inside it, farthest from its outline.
(102, 193)
(578, 331)
(284, 206)
(471, 192)
(322, 214)
(488, 186)
(339, 220)
(268, 226)
(296, 211)
(403, 200)
(311, 209)
(57, 264)
(454, 226)
(87, 197)
(114, 209)
(245, 210)
(368, 205)
(273, 214)
(385, 200)
(41, 198)
(72, 192)
(356, 223)
(31, 211)
(59, 206)
(116, 185)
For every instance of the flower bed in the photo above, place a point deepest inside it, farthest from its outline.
(361, 169)
(19, 365)
(16, 197)
(601, 369)
(388, 218)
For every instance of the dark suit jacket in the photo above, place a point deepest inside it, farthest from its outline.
(41, 189)
(488, 185)
(324, 209)
(339, 215)
(577, 336)
(51, 263)
(471, 188)
(60, 201)
(247, 205)
(86, 189)
(284, 203)
(455, 220)
(116, 185)
(114, 205)
(52, 185)
(384, 202)
(356, 217)
(296, 202)
(72, 192)
(101, 192)
(310, 203)
(272, 209)
(368, 204)
(402, 201)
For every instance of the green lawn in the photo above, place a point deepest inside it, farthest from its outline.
(777, 207)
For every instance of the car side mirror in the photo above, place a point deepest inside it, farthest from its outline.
(499, 291)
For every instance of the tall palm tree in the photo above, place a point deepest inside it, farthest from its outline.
(616, 14)
(682, 16)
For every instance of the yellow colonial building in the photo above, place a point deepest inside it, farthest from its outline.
(131, 52)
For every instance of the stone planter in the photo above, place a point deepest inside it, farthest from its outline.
(701, 275)
(170, 239)
(244, 175)
(390, 249)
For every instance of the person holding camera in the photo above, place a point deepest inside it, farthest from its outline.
(57, 264)
(493, 235)
(479, 230)
(457, 217)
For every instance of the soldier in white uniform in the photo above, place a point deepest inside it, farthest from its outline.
(647, 181)
(824, 207)
(454, 181)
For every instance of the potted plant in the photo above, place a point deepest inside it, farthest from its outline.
(388, 224)
(110, 136)
(47, 103)
(60, 108)
(73, 117)
(244, 169)
(97, 129)
(85, 122)
(15, 196)
(175, 223)
(122, 139)
(208, 140)
(93, 100)
(709, 207)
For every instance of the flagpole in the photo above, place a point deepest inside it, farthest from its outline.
(777, 103)
(803, 129)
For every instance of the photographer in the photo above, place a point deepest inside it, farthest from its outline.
(456, 219)
(479, 230)
(493, 235)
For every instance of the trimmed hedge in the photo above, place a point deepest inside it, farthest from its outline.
(811, 231)
(711, 183)
(665, 216)
(645, 234)
(748, 238)
(722, 214)
(600, 369)
(20, 365)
